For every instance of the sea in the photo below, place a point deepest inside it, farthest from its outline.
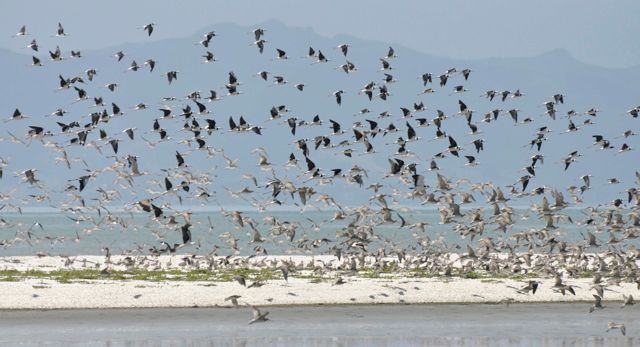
(212, 232)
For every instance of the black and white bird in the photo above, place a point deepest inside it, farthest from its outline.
(149, 28)
(60, 32)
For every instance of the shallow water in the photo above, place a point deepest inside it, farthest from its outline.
(59, 233)
(380, 325)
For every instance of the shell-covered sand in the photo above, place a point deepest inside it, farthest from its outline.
(33, 292)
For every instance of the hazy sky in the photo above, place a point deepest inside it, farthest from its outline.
(593, 31)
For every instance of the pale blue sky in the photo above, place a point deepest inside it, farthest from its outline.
(597, 32)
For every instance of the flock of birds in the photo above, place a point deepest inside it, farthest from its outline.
(188, 121)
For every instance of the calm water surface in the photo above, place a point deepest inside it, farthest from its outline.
(380, 325)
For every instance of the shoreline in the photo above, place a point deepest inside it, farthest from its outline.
(97, 282)
(47, 294)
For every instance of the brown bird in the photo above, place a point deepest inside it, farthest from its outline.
(233, 299)
(258, 316)
(613, 325)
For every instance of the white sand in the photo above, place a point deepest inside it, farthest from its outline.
(50, 294)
